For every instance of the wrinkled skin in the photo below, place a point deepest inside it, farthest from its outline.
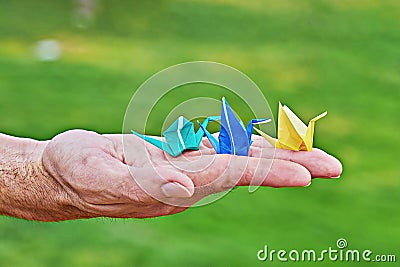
(94, 168)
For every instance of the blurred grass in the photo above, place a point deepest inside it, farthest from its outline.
(340, 56)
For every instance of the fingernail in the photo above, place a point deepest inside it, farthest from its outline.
(175, 189)
(307, 185)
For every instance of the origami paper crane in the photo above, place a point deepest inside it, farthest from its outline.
(293, 134)
(179, 136)
(233, 137)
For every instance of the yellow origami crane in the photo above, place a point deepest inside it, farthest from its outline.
(293, 134)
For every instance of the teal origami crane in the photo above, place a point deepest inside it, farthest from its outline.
(233, 137)
(180, 136)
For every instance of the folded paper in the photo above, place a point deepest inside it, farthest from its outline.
(180, 136)
(293, 134)
(233, 137)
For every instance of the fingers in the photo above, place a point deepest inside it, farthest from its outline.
(266, 166)
(259, 141)
(318, 162)
(169, 185)
(280, 174)
(227, 171)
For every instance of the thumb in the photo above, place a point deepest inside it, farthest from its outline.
(162, 182)
(175, 189)
(177, 185)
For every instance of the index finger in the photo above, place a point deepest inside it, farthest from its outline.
(227, 171)
(318, 162)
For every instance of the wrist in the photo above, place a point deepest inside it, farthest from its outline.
(27, 190)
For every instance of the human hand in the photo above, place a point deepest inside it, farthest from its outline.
(95, 171)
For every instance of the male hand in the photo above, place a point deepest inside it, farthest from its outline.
(123, 176)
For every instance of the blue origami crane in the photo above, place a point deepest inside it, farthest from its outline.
(233, 137)
(180, 136)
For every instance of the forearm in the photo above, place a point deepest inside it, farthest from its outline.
(26, 189)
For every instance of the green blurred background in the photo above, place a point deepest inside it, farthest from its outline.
(336, 55)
